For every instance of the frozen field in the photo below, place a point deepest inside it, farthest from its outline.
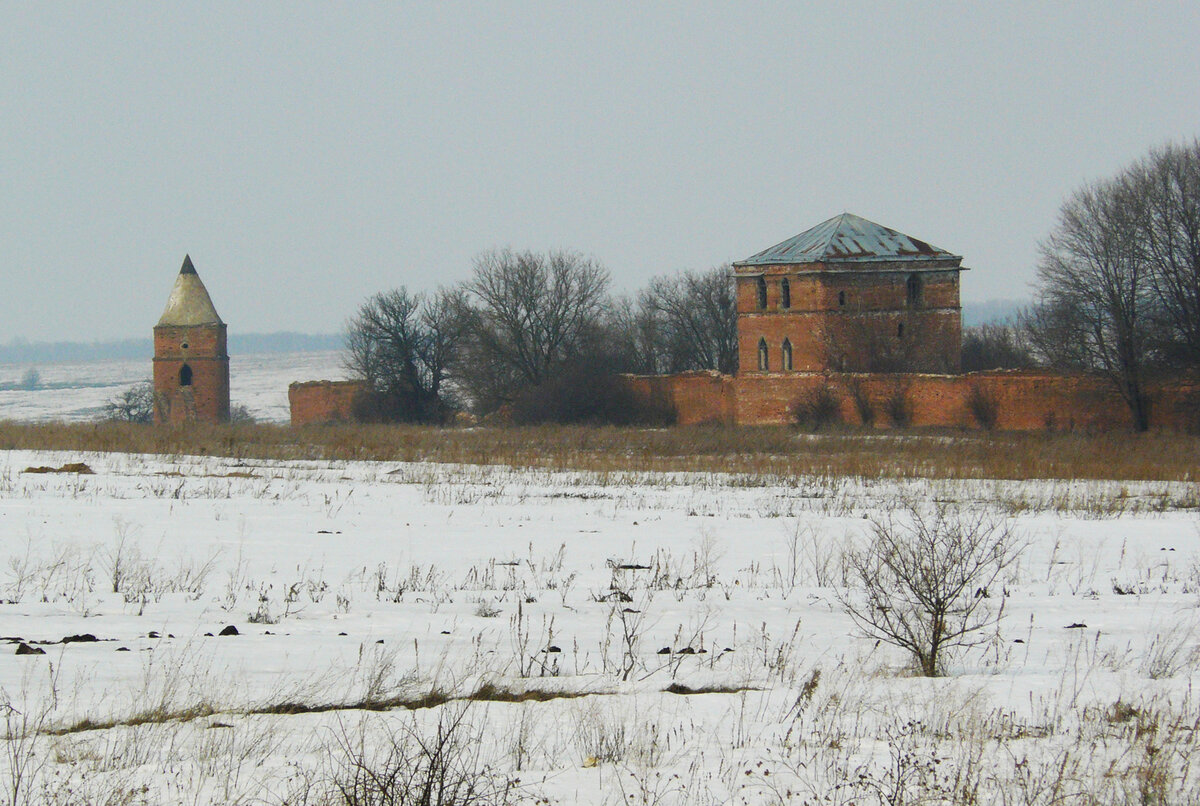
(78, 391)
(554, 611)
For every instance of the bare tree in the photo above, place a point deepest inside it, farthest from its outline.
(695, 319)
(526, 315)
(1095, 285)
(402, 345)
(1119, 279)
(995, 346)
(926, 586)
(134, 405)
(1168, 182)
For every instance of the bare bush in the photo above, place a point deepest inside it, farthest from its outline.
(817, 408)
(984, 407)
(134, 405)
(926, 586)
(898, 407)
(443, 766)
(862, 402)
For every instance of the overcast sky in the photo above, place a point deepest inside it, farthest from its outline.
(308, 155)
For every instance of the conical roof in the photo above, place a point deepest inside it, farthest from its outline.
(847, 238)
(189, 303)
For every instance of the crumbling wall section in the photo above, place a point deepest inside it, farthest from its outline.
(315, 402)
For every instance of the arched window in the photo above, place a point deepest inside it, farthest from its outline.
(900, 330)
(185, 375)
(762, 294)
(914, 290)
(785, 294)
(841, 298)
(763, 360)
(787, 355)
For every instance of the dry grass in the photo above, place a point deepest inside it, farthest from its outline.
(780, 452)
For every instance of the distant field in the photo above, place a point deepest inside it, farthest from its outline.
(77, 391)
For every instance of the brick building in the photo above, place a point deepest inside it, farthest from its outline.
(191, 361)
(849, 295)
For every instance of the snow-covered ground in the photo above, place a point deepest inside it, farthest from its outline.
(76, 391)
(377, 584)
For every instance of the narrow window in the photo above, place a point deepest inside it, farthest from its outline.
(185, 375)
(787, 355)
(763, 363)
(841, 298)
(785, 294)
(914, 290)
(900, 330)
(762, 294)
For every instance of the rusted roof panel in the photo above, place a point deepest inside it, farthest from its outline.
(847, 238)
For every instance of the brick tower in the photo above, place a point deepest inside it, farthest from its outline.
(849, 295)
(191, 363)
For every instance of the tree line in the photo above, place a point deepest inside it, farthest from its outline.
(539, 335)
(542, 336)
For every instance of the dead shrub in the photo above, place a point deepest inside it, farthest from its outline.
(898, 407)
(862, 402)
(926, 584)
(984, 407)
(443, 765)
(817, 408)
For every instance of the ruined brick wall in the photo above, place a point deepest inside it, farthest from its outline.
(202, 350)
(695, 397)
(1008, 400)
(314, 402)
(1018, 400)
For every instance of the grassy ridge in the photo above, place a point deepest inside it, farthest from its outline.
(759, 451)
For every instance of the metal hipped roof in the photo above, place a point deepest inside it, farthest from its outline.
(847, 238)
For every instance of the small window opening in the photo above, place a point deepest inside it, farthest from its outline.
(185, 375)
(762, 293)
(787, 355)
(184, 345)
(841, 298)
(900, 330)
(785, 294)
(763, 360)
(914, 290)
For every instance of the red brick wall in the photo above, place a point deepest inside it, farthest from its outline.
(850, 319)
(696, 397)
(1022, 400)
(203, 349)
(323, 401)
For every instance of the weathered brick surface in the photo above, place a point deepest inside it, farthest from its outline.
(202, 348)
(850, 320)
(315, 402)
(697, 397)
(1022, 401)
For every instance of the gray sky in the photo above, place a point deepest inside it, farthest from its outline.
(308, 155)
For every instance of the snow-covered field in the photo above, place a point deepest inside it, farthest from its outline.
(78, 390)
(361, 590)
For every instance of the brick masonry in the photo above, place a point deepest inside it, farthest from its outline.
(202, 349)
(850, 320)
(314, 402)
(1022, 400)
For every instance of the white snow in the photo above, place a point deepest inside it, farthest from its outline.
(372, 581)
